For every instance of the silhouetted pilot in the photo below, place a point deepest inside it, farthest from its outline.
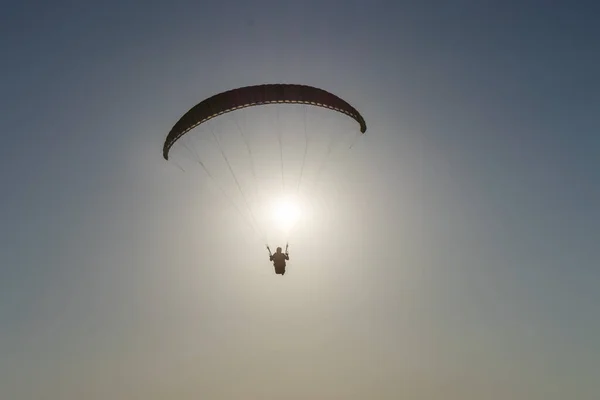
(279, 259)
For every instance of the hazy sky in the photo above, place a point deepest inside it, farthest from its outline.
(456, 256)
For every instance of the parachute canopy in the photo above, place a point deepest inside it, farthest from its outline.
(267, 161)
(258, 95)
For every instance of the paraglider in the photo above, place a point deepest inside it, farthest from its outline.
(251, 118)
(279, 259)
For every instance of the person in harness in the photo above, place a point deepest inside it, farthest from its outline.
(279, 259)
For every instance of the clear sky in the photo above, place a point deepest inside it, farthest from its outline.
(455, 255)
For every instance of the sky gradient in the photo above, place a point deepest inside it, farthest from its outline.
(455, 254)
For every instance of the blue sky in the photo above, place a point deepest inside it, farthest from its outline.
(456, 257)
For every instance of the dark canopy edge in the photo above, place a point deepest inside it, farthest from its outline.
(258, 95)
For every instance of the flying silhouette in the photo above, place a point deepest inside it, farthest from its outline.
(279, 259)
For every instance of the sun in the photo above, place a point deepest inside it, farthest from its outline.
(286, 212)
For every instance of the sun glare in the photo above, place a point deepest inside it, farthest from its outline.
(286, 213)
